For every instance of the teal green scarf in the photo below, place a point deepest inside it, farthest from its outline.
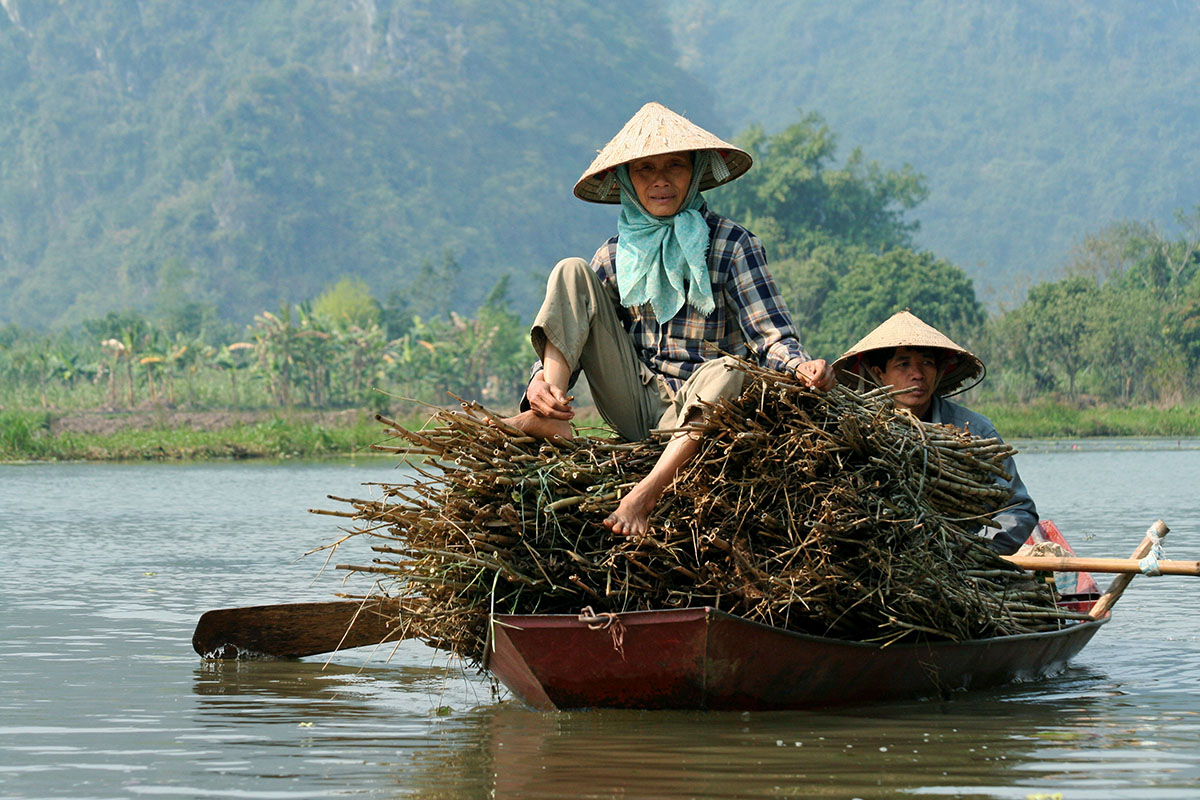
(663, 261)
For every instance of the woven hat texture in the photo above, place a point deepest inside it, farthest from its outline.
(655, 130)
(905, 329)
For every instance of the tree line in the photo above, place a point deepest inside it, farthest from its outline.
(1122, 326)
(342, 349)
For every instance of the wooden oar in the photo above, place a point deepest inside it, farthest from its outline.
(1111, 595)
(1125, 566)
(1125, 574)
(293, 630)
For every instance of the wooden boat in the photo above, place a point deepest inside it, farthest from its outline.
(696, 658)
(703, 658)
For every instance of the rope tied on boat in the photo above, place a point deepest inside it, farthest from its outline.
(1149, 564)
(605, 621)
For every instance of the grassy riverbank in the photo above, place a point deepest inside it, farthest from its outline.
(162, 435)
(1055, 421)
(38, 436)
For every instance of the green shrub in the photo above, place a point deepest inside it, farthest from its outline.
(23, 433)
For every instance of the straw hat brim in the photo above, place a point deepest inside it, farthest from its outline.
(656, 130)
(905, 329)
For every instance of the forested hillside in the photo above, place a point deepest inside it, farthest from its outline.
(226, 158)
(1035, 122)
(239, 155)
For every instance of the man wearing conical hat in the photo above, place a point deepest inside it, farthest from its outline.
(907, 354)
(648, 318)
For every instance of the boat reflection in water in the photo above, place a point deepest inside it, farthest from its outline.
(892, 750)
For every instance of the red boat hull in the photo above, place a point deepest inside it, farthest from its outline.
(702, 658)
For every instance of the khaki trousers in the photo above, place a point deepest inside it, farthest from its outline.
(579, 318)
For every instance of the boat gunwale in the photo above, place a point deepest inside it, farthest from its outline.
(712, 612)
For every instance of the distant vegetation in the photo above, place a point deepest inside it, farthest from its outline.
(264, 205)
(1123, 329)
(28, 435)
(1036, 122)
(342, 350)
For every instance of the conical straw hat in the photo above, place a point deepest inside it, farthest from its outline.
(905, 329)
(655, 130)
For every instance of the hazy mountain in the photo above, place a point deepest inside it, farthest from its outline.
(1035, 121)
(249, 152)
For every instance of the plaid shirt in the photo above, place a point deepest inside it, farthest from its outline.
(750, 318)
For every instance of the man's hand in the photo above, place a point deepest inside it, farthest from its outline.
(547, 400)
(816, 373)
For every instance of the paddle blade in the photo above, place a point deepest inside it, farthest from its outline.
(294, 630)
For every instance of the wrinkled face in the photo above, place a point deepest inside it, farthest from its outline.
(661, 182)
(910, 367)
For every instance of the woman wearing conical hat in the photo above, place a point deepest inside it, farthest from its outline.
(906, 353)
(647, 318)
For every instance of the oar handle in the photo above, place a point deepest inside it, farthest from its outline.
(1154, 534)
(1126, 566)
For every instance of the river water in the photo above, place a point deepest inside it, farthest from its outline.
(108, 568)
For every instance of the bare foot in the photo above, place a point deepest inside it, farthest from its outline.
(632, 517)
(534, 424)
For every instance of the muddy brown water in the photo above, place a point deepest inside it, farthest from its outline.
(108, 567)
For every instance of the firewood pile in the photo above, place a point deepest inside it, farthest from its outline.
(830, 513)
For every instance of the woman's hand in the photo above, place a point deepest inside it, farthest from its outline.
(547, 400)
(816, 373)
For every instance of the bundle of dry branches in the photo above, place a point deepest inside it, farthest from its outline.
(827, 513)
